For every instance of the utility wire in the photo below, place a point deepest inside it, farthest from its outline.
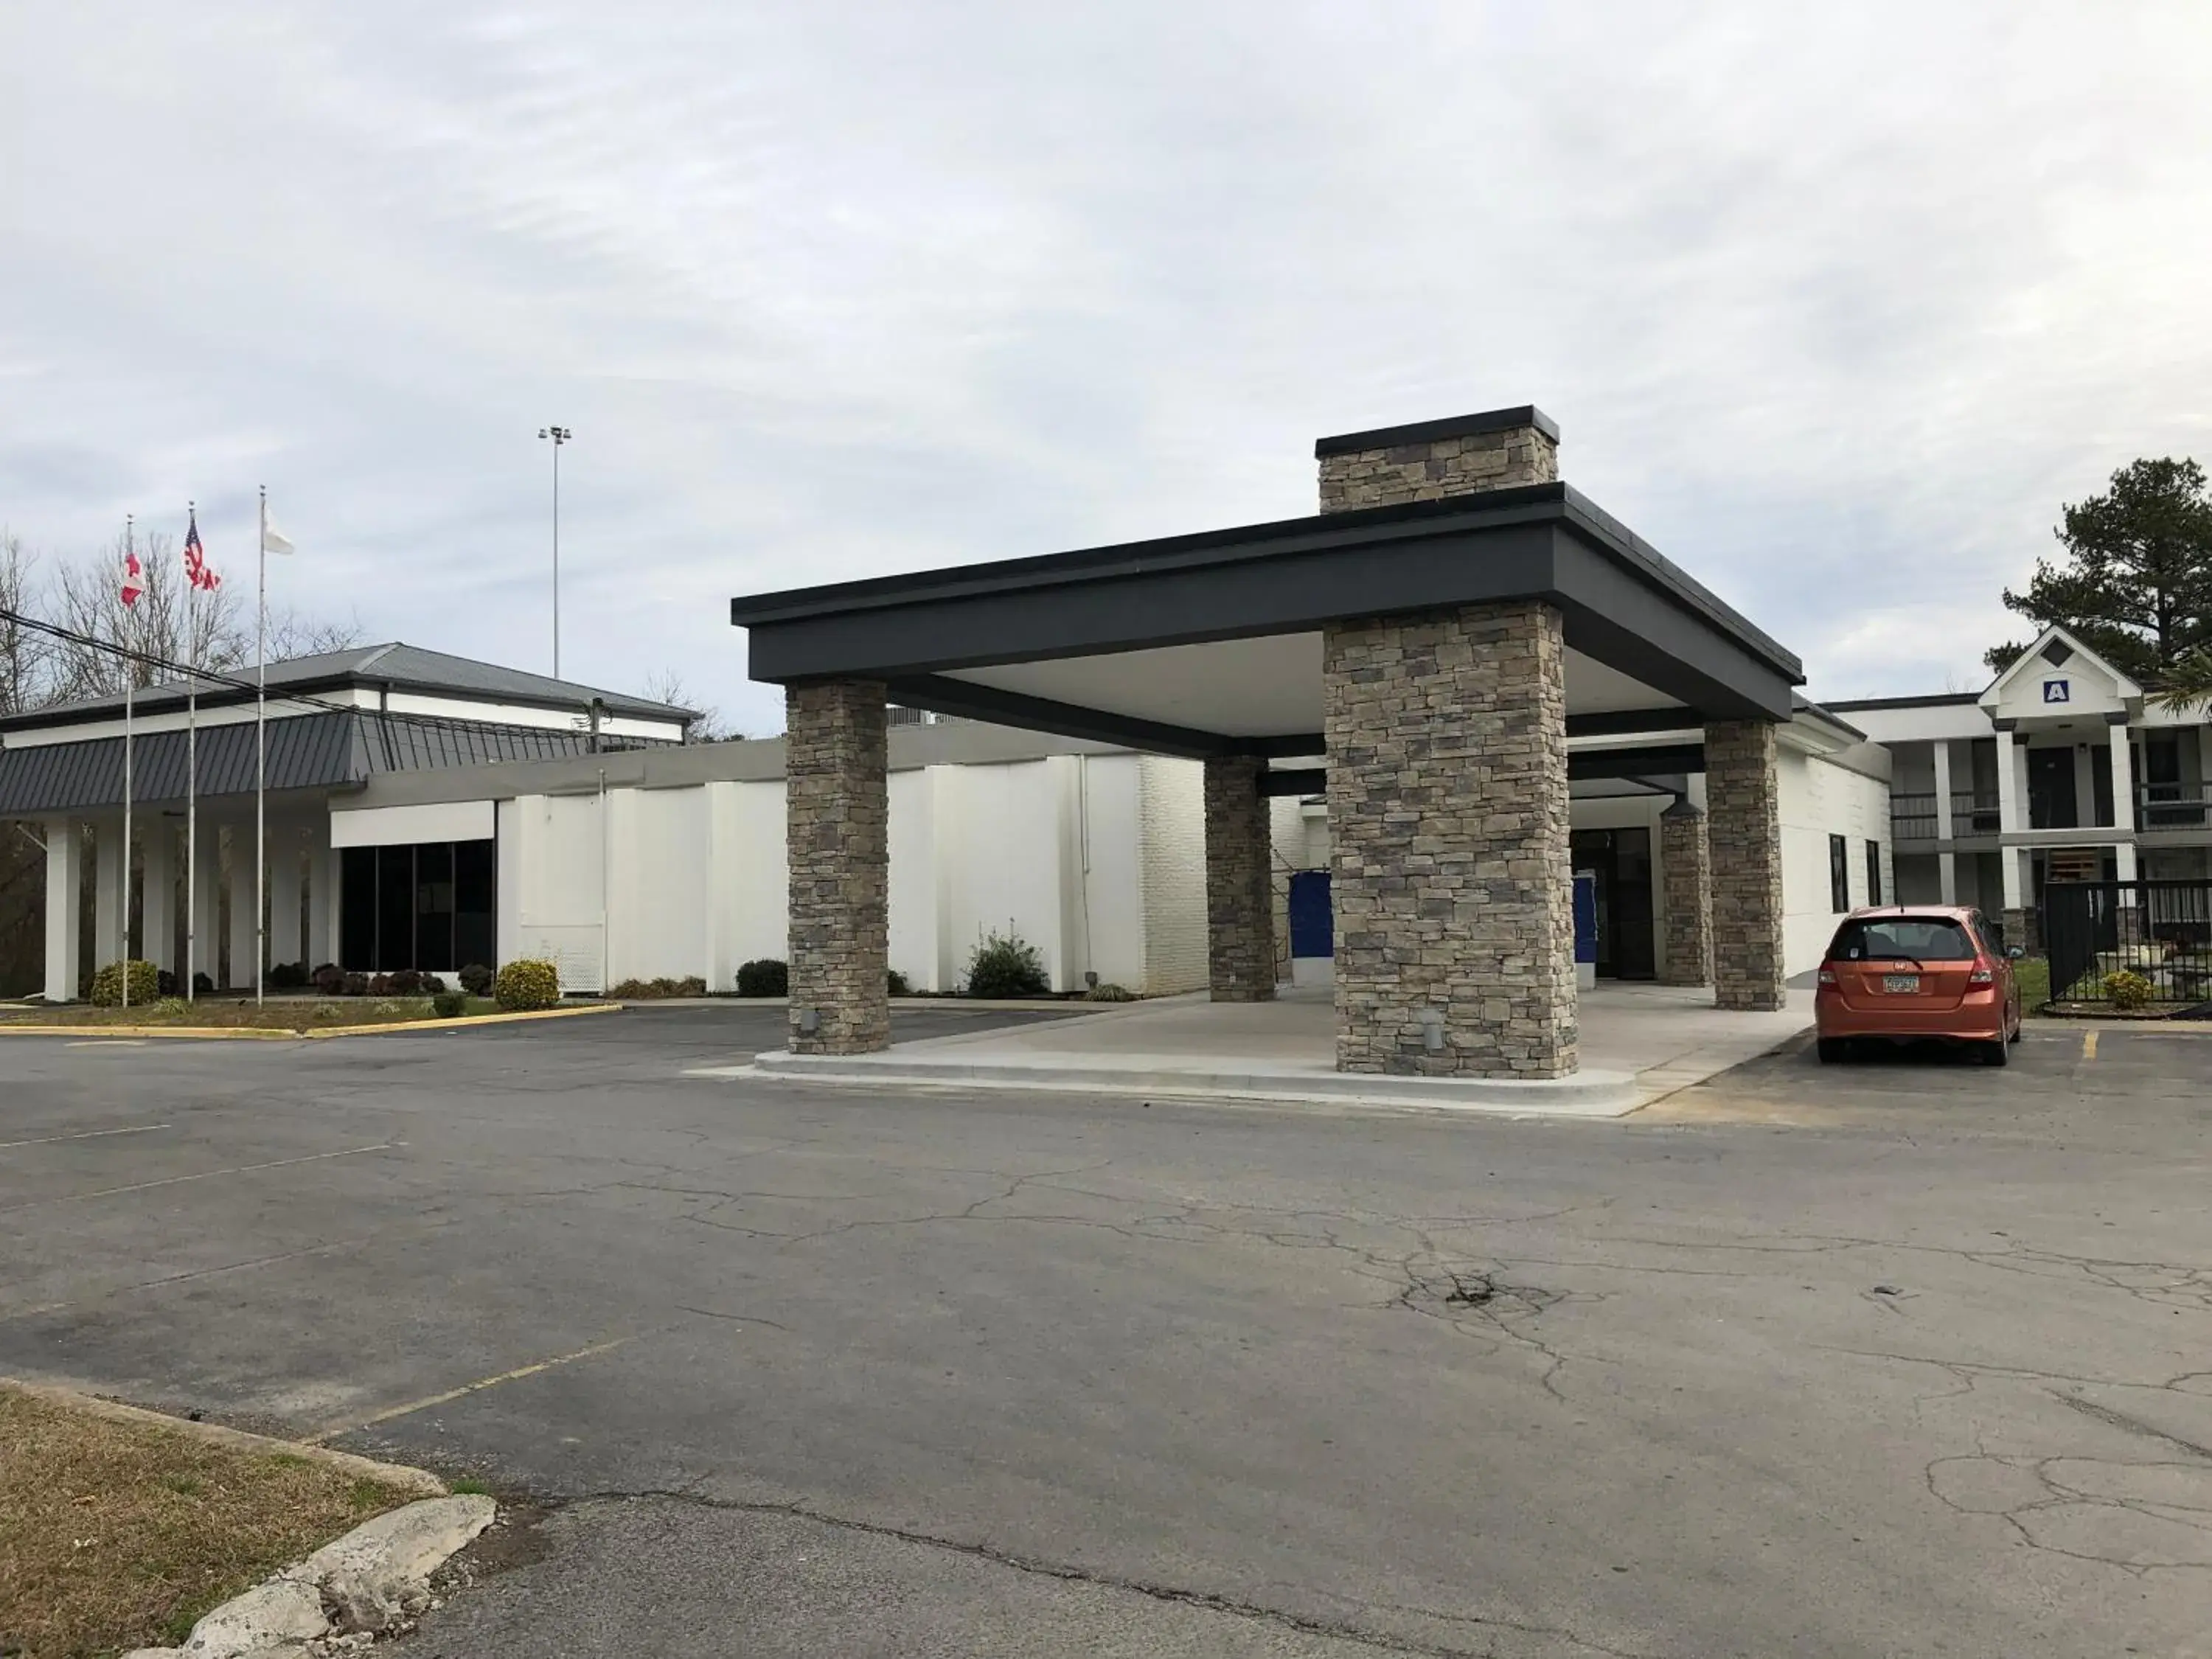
(309, 700)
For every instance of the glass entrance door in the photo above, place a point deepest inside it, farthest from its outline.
(1620, 860)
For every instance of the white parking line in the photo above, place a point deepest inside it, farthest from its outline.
(84, 1135)
(205, 1175)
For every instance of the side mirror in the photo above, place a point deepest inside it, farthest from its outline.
(2013, 953)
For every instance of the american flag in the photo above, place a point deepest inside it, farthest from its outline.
(196, 565)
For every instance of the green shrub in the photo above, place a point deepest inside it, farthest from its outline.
(449, 1005)
(476, 979)
(107, 985)
(896, 982)
(647, 990)
(170, 1007)
(284, 976)
(2126, 990)
(767, 977)
(527, 984)
(1006, 966)
(1111, 992)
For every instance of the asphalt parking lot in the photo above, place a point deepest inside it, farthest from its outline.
(1911, 1357)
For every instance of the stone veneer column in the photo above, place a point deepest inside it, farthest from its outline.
(1743, 831)
(837, 808)
(1686, 883)
(1446, 737)
(1240, 911)
(1465, 455)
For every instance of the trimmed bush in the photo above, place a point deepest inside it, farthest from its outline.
(2125, 991)
(476, 979)
(527, 984)
(449, 1005)
(107, 985)
(1110, 993)
(1006, 965)
(769, 976)
(354, 985)
(379, 985)
(432, 986)
(646, 990)
(288, 976)
(201, 985)
(168, 983)
(330, 980)
(898, 985)
(406, 983)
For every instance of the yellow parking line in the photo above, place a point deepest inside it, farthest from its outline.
(466, 1388)
(2088, 1045)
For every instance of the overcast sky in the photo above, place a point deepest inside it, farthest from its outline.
(1835, 306)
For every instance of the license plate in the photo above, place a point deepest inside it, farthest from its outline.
(1900, 984)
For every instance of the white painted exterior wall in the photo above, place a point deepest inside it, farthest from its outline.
(1819, 798)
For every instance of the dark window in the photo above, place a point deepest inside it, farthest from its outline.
(432, 907)
(1896, 938)
(475, 895)
(1874, 872)
(1839, 873)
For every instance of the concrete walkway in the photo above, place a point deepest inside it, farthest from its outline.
(1639, 1044)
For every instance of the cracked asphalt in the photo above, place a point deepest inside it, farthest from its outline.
(1909, 1358)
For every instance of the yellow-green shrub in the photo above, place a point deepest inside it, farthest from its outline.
(107, 985)
(527, 984)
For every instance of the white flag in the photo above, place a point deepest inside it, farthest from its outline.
(273, 540)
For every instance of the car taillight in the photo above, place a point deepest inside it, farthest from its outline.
(1828, 976)
(1983, 975)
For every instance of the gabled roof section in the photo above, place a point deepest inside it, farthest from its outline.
(2056, 652)
(402, 667)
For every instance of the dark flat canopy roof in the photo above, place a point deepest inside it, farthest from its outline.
(1626, 607)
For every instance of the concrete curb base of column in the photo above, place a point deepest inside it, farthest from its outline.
(1586, 1094)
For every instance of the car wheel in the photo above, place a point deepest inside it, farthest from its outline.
(1996, 1054)
(1832, 1050)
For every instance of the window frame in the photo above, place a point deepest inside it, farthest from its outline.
(1839, 874)
(1874, 871)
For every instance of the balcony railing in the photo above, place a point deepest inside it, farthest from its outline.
(1912, 817)
(2174, 806)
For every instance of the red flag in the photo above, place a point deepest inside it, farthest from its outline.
(134, 579)
(196, 565)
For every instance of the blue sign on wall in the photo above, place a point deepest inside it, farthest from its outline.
(1585, 916)
(2057, 690)
(1313, 923)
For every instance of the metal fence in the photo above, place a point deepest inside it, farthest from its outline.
(2160, 931)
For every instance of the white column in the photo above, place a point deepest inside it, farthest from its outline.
(2123, 785)
(2008, 813)
(64, 878)
(322, 893)
(245, 971)
(1943, 800)
(157, 911)
(2124, 867)
(1947, 868)
(111, 893)
(206, 916)
(284, 889)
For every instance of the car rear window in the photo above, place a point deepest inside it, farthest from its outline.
(1886, 938)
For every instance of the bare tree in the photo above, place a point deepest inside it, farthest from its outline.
(24, 653)
(172, 620)
(706, 725)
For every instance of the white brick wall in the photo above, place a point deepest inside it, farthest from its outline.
(1172, 874)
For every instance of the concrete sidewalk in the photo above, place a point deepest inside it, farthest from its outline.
(1639, 1044)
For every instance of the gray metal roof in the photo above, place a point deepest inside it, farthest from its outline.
(306, 751)
(401, 667)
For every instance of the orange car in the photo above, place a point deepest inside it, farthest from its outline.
(1904, 973)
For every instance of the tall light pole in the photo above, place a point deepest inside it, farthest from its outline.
(559, 435)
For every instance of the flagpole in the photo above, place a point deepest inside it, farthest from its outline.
(261, 758)
(130, 688)
(192, 782)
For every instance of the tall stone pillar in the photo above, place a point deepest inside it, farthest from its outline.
(1743, 831)
(65, 895)
(837, 812)
(1446, 737)
(1240, 911)
(157, 903)
(1686, 886)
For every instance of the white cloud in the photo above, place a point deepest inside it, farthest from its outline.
(1835, 307)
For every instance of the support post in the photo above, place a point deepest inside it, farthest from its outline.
(837, 812)
(64, 892)
(1943, 826)
(111, 894)
(1446, 737)
(245, 888)
(157, 903)
(1744, 829)
(284, 892)
(1239, 910)
(1685, 884)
